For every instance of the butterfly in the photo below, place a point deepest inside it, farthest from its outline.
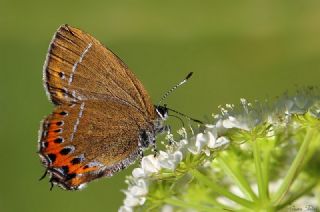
(103, 116)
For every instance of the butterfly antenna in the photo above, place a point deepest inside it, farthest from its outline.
(175, 87)
(184, 115)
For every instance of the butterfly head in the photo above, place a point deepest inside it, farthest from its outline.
(162, 111)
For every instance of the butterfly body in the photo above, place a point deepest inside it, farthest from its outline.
(103, 116)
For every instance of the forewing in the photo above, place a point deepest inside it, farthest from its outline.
(90, 139)
(78, 68)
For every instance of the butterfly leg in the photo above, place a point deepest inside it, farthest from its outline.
(154, 148)
(140, 151)
(44, 175)
(145, 139)
(51, 182)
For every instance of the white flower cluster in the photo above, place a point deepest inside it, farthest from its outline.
(246, 117)
(251, 115)
(138, 182)
(206, 141)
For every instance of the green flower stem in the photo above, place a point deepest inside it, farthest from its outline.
(298, 195)
(313, 147)
(236, 175)
(294, 168)
(266, 164)
(262, 186)
(220, 190)
(186, 204)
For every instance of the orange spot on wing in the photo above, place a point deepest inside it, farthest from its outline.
(81, 169)
(61, 160)
(77, 181)
(73, 168)
(52, 135)
(94, 168)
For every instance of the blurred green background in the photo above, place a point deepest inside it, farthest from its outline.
(251, 49)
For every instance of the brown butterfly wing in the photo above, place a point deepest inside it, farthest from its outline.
(78, 67)
(102, 108)
(90, 139)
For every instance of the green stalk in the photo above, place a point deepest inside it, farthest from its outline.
(237, 176)
(297, 195)
(220, 190)
(266, 165)
(313, 147)
(262, 187)
(294, 168)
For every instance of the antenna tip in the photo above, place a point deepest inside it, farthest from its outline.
(189, 75)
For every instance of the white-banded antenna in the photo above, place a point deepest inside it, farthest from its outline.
(175, 87)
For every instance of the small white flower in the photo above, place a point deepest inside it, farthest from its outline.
(131, 201)
(207, 152)
(212, 136)
(125, 209)
(169, 160)
(315, 109)
(245, 117)
(140, 189)
(150, 164)
(219, 125)
(135, 195)
(182, 143)
(208, 139)
(197, 142)
(298, 104)
(233, 122)
(287, 105)
(138, 173)
(221, 141)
